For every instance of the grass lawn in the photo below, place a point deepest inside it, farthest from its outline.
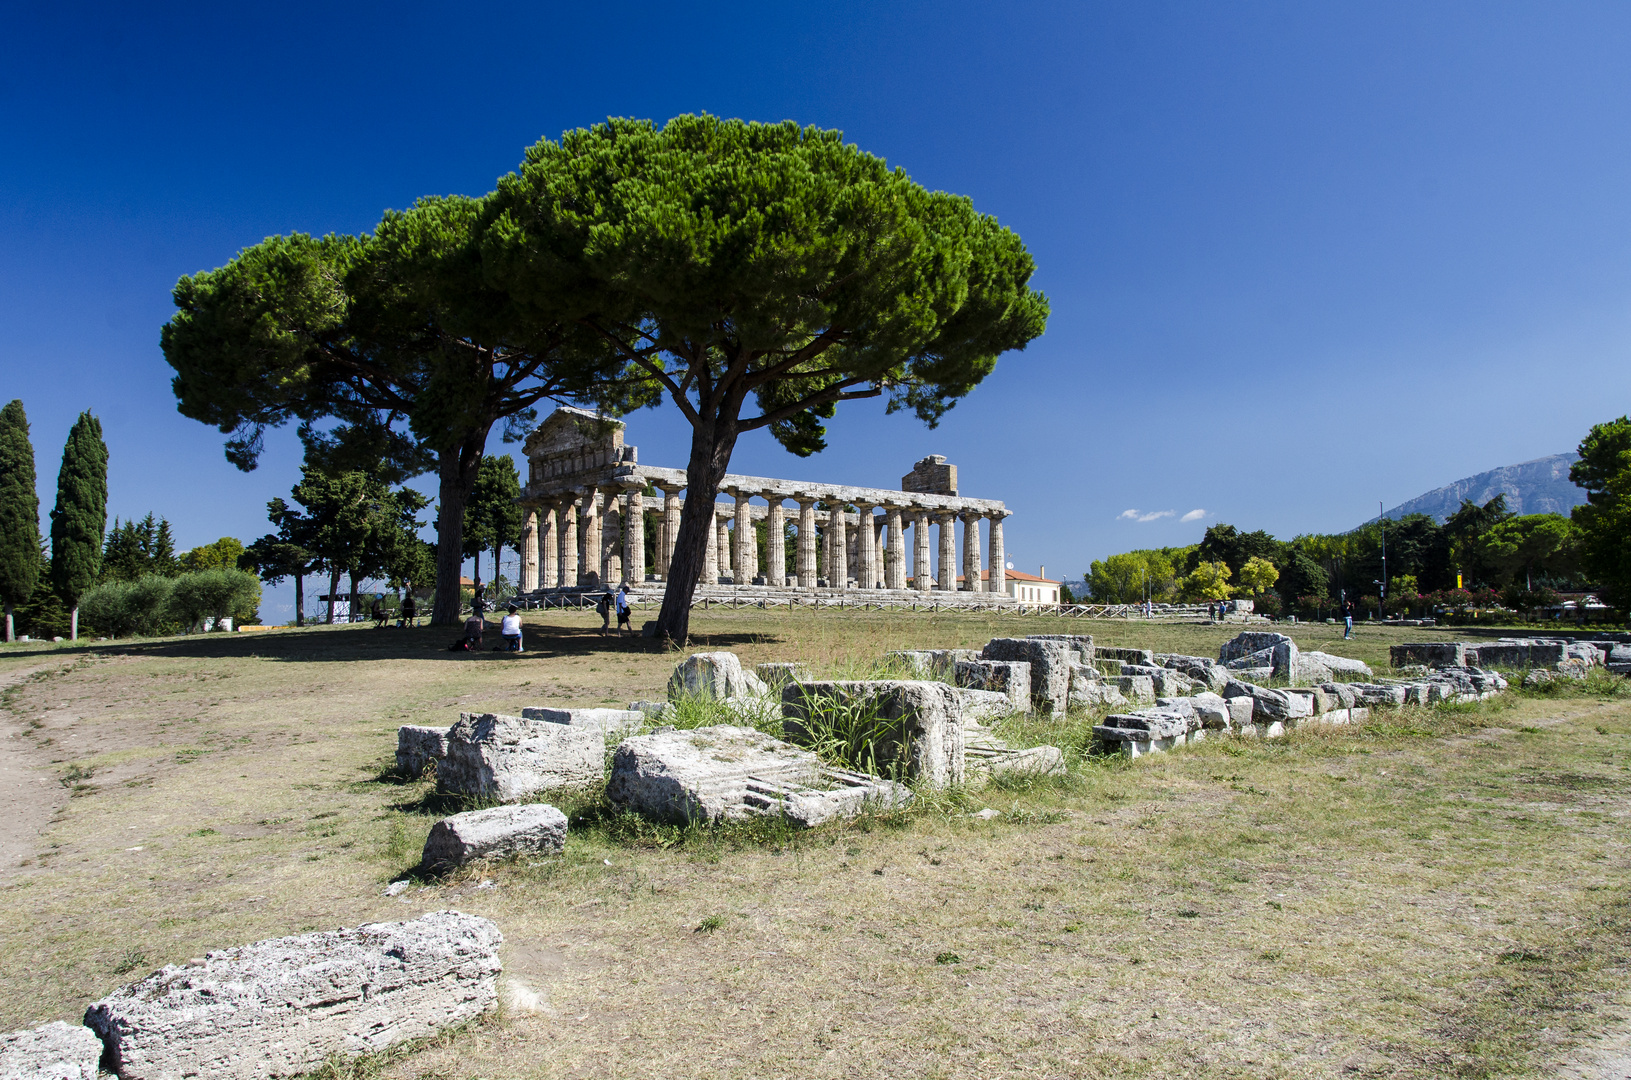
(1437, 893)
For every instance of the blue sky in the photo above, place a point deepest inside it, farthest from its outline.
(1302, 258)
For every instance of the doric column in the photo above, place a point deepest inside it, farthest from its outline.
(611, 538)
(567, 515)
(549, 556)
(671, 529)
(634, 538)
(722, 529)
(710, 557)
(745, 548)
(775, 568)
(894, 568)
(948, 551)
(839, 543)
(866, 547)
(878, 572)
(589, 539)
(808, 572)
(999, 565)
(922, 578)
(971, 552)
(528, 577)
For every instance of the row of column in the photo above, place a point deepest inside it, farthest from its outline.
(570, 540)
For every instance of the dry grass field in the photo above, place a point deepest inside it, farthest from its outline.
(1436, 893)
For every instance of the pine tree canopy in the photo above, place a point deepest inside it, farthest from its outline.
(81, 512)
(19, 509)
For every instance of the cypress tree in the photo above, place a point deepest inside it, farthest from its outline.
(80, 515)
(19, 513)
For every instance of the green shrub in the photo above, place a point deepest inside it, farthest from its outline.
(122, 608)
(214, 594)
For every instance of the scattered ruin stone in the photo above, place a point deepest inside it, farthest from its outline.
(1201, 670)
(282, 1007)
(1125, 656)
(417, 747)
(1431, 653)
(655, 711)
(1011, 678)
(1247, 642)
(1165, 681)
(917, 663)
(1240, 710)
(1089, 690)
(1379, 693)
(54, 1051)
(1267, 704)
(1619, 660)
(508, 758)
(983, 706)
(494, 833)
(777, 675)
(715, 676)
(610, 721)
(1210, 711)
(1050, 669)
(1138, 689)
(988, 756)
(1080, 644)
(924, 729)
(1149, 730)
(728, 773)
(1338, 665)
(1342, 694)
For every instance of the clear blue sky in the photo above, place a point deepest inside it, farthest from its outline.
(1301, 257)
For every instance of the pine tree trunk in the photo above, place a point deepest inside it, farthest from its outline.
(300, 599)
(333, 589)
(352, 598)
(711, 447)
(497, 548)
(456, 471)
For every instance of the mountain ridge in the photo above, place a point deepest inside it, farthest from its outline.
(1540, 486)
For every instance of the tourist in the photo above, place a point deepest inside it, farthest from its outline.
(478, 599)
(473, 629)
(379, 612)
(623, 609)
(1211, 612)
(603, 607)
(407, 614)
(1348, 620)
(510, 628)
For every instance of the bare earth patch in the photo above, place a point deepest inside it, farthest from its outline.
(1434, 894)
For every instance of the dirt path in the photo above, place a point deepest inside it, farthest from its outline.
(29, 793)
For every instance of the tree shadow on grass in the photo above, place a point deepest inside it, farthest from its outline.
(344, 644)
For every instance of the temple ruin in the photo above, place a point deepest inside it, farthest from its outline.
(589, 504)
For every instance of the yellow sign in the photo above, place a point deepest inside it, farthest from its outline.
(1458, 581)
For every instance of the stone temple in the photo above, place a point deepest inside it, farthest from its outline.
(589, 504)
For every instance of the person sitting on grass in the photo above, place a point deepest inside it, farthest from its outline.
(510, 628)
(473, 628)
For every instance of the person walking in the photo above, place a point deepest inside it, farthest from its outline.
(510, 628)
(603, 608)
(1347, 620)
(623, 609)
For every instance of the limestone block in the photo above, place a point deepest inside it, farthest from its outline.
(656, 712)
(1080, 644)
(417, 747)
(1300, 702)
(1619, 659)
(944, 661)
(1311, 672)
(777, 675)
(1250, 641)
(1050, 669)
(1166, 681)
(1200, 670)
(917, 663)
(715, 676)
(1583, 651)
(1160, 723)
(1240, 710)
(610, 721)
(1341, 694)
(1125, 656)
(728, 773)
(1286, 660)
(984, 762)
(1267, 704)
(54, 1051)
(1339, 665)
(507, 758)
(1093, 693)
(983, 706)
(1139, 689)
(1210, 711)
(1431, 653)
(1323, 702)
(1379, 693)
(494, 833)
(282, 1007)
(1262, 658)
(1011, 678)
(919, 724)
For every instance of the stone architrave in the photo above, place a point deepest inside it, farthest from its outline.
(922, 575)
(548, 558)
(917, 725)
(671, 529)
(971, 553)
(507, 758)
(998, 582)
(529, 551)
(1050, 669)
(589, 539)
(710, 557)
(775, 568)
(494, 833)
(567, 515)
(838, 545)
(54, 1051)
(809, 571)
(634, 538)
(285, 1006)
(948, 551)
(895, 562)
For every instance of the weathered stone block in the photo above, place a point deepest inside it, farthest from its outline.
(507, 758)
(494, 833)
(728, 773)
(985, 761)
(282, 1007)
(417, 747)
(54, 1051)
(714, 675)
(1267, 704)
(1200, 670)
(917, 663)
(1379, 693)
(1167, 682)
(1431, 653)
(1339, 665)
(1089, 690)
(983, 706)
(1050, 669)
(777, 675)
(1342, 694)
(1139, 689)
(1012, 678)
(919, 724)
(1079, 644)
(610, 721)
(1160, 723)
(1248, 642)
(1125, 656)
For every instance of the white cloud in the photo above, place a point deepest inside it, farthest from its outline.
(1193, 515)
(1136, 515)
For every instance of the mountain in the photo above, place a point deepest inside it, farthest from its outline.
(1535, 487)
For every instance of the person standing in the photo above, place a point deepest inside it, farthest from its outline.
(603, 608)
(623, 609)
(1347, 620)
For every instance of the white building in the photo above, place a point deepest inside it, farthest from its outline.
(1026, 588)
